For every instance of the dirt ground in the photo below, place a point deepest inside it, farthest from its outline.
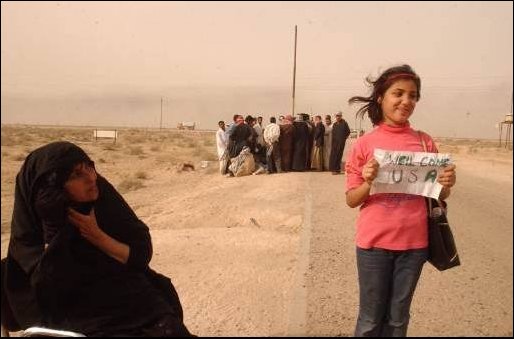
(274, 255)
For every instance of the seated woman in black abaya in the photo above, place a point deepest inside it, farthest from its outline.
(78, 255)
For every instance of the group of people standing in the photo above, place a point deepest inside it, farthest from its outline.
(392, 231)
(292, 144)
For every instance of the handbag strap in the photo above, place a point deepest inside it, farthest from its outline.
(424, 144)
(440, 203)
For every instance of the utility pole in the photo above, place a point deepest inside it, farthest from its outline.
(294, 68)
(161, 115)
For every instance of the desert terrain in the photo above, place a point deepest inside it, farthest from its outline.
(274, 255)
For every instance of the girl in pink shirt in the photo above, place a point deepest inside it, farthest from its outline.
(392, 236)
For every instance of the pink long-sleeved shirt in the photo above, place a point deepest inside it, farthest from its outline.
(393, 221)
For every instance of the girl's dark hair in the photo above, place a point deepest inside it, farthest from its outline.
(379, 87)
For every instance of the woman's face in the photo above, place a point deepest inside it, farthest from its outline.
(81, 184)
(399, 102)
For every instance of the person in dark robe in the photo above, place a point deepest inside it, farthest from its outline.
(258, 151)
(301, 145)
(241, 136)
(252, 140)
(318, 144)
(78, 256)
(286, 142)
(340, 132)
(310, 143)
(230, 130)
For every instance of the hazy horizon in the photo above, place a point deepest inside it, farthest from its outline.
(109, 64)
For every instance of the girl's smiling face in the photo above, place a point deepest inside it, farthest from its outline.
(398, 102)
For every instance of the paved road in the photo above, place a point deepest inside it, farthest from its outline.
(472, 300)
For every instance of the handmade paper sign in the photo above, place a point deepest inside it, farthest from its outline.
(409, 172)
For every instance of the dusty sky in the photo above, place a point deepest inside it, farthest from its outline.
(109, 64)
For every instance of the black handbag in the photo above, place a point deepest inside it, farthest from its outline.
(442, 252)
(441, 245)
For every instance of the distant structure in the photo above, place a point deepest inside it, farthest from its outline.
(507, 123)
(109, 134)
(358, 131)
(186, 125)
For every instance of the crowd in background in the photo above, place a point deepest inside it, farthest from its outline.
(246, 146)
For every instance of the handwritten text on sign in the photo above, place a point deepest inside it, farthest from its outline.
(409, 172)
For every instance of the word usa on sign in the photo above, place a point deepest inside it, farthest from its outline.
(409, 172)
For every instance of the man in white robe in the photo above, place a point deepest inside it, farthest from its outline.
(221, 144)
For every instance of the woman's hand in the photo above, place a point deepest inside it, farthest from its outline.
(370, 171)
(357, 196)
(89, 229)
(448, 177)
(86, 225)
